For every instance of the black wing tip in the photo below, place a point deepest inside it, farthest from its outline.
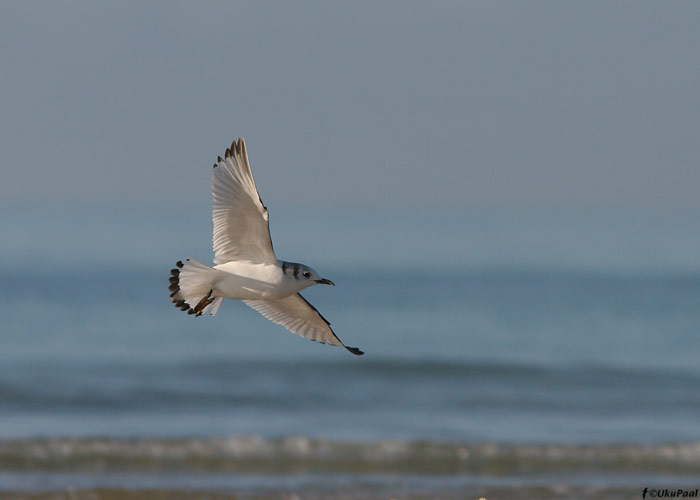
(234, 149)
(355, 351)
(237, 148)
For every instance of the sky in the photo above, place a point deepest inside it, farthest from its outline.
(510, 106)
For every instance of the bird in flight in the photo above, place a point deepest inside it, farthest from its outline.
(246, 267)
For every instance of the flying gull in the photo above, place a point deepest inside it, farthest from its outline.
(246, 267)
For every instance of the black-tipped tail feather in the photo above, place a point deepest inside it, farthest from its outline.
(177, 296)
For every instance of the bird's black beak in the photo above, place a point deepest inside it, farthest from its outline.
(324, 281)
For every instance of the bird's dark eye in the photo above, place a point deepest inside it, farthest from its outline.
(306, 274)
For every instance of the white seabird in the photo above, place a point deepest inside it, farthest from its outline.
(246, 267)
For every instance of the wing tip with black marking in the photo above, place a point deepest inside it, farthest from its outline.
(354, 350)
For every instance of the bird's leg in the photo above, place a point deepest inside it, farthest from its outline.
(199, 308)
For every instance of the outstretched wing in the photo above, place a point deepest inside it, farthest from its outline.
(300, 317)
(241, 221)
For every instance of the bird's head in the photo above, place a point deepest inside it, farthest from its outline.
(306, 273)
(307, 276)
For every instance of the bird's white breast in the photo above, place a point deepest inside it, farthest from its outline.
(247, 281)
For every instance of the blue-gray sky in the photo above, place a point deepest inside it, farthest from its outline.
(487, 105)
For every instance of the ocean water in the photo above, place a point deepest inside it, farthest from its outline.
(506, 357)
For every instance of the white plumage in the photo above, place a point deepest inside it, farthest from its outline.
(241, 221)
(246, 267)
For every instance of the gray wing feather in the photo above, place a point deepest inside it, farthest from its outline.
(298, 316)
(241, 221)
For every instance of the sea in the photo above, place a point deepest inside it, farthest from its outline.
(538, 355)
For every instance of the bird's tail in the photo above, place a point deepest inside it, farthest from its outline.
(191, 287)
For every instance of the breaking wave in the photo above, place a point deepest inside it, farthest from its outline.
(252, 454)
